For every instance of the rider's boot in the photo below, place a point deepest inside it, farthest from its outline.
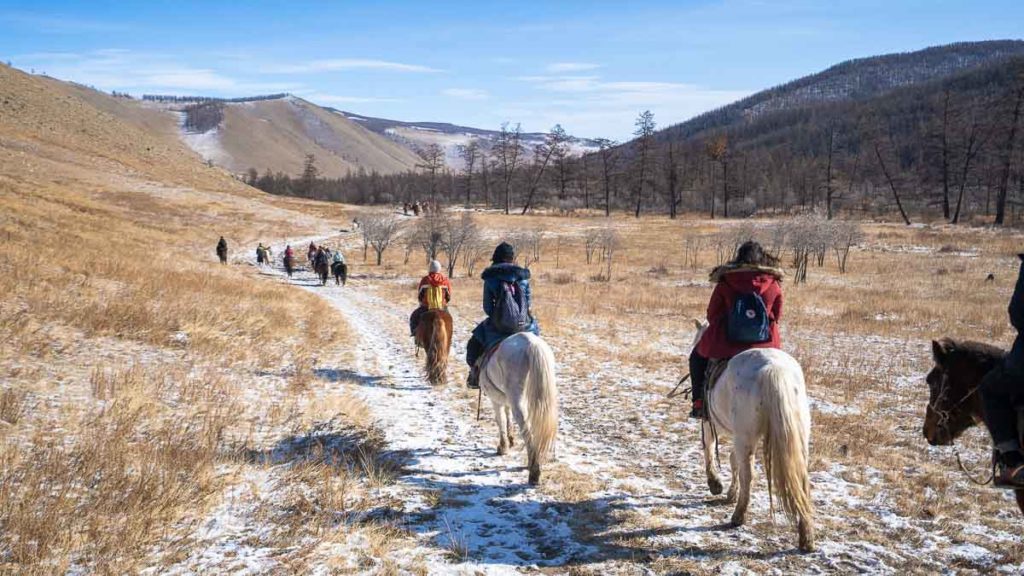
(473, 380)
(697, 411)
(1009, 470)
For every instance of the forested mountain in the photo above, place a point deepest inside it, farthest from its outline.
(858, 79)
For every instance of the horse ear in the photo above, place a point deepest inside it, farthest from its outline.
(697, 324)
(941, 349)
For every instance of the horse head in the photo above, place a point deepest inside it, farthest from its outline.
(953, 402)
(702, 327)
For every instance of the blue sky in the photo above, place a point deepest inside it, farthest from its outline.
(591, 66)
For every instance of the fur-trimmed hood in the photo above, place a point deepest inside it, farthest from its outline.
(506, 272)
(719, 272)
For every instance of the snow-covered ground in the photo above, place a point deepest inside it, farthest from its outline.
(626, 495)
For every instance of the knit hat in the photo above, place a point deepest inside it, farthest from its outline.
(435, 267)
(505, 252)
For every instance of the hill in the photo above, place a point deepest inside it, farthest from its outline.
(853, 80)
(276, 133)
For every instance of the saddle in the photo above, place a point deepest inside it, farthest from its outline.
(716, 367)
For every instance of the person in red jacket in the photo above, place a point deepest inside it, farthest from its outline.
(748, 294)
(434, 278)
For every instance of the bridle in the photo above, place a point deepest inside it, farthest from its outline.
(943, 422)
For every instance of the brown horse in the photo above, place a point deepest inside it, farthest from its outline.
(322, 269)
(954, 404)
(434, 334)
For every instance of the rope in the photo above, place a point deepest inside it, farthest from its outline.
(674, 392)
(970, 474)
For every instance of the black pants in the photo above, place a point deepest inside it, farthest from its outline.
(698, 374)
(1002, 390)
(414, 319)
(474, 349)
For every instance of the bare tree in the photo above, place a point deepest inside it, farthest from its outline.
(1007, 159)
(591, 242)
(672, 179)
(606, 149)
(644, 140)
(845, 235)
(429, 233)
(973, 141)
(433, 163)
(457, 235)
(553, 144)
(889, 175)
(474, 252)
(610, 242)
(717, 150)
(507, 152)
(469, 153)
(380, 229)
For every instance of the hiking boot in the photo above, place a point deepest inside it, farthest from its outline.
(698, 410)
(473, 380)
(1009, 471)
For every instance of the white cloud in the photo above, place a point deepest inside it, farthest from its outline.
(466, 93)
(115, 69)
(561, 67)
(340, 64)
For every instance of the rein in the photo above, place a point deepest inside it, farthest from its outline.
(944, 417)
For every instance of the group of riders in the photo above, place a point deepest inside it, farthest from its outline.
(744, 312)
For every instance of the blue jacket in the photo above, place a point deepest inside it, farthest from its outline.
(493, 277)
(1015, 359)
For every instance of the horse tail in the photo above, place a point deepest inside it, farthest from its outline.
(786, 443)
(541, 397)
(437, 348)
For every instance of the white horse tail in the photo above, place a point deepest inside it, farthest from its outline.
(541, 398)
(786, 443)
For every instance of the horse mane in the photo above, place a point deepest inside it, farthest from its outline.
(974, 352)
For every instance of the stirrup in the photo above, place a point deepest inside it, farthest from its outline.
(698, 411)
(1010, 478)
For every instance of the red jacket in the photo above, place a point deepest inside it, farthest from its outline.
(715, 343)
(435, 279)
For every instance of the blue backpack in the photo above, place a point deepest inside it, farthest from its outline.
(748, 321)
(511, 314)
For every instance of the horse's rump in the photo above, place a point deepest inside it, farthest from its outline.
(434, 334)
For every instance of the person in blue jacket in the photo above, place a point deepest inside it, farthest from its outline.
(503, 270)
(1002, 391)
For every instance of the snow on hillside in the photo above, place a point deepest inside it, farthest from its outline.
(206, 144)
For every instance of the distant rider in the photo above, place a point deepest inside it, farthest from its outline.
(434, 291)
(744, 312)
(1002, 392)
(222, 250)
(508, 304)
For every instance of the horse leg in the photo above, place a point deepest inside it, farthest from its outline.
(508, 427)
(707, 441)
(730, 495)
(501, 416)
(744, 454)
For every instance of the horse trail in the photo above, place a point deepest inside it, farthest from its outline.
(486, 513)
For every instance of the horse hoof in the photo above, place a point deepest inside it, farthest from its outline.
(511, 441)
(534, 478)
(737, 521)
(715, 485)
(502, 451)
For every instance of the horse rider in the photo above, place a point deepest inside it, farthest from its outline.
(744, 312)
(261, 254)
(222, 250)
(434, 292)
(311, 252)
(1002, 393)
(508, 305)
(288, 252)
(338, 258)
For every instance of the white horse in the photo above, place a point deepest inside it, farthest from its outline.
(519, 379)
(761, 394)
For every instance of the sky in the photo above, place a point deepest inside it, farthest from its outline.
(590, 66)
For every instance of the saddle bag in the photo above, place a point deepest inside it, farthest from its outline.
(511, 314)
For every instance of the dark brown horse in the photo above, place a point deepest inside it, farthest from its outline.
(434, 334)
(340, 271)
(322, 268)
(954, 404)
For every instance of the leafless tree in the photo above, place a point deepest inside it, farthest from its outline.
(606, 150)
(457, 235)
(433, 163)
(507, 152)
(610, 242)
(554, 143)
(1008, 148)
(591, 242)
(887, 141)
(474, 252)
(429, 232)
(692, 245)
(380, 229)
(528, 245)
(845, 235)
(469, 153)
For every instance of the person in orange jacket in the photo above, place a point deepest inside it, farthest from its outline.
(434, 279)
